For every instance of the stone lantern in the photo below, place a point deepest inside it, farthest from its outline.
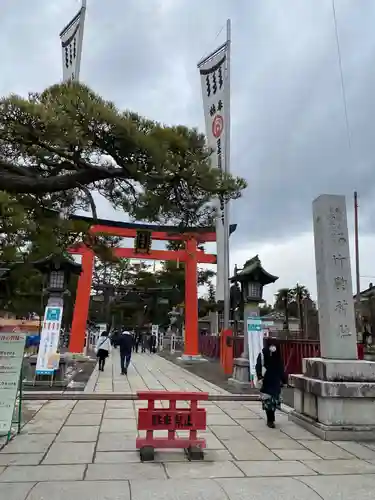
(57, 271)
(252, 278)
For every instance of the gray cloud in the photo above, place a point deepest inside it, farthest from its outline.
(288, 136)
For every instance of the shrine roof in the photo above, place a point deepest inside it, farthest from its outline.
(277, 316)
(148, 227)
(253, 269)
(369, 292)
(50, 262)
(57, 262)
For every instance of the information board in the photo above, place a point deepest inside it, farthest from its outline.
(48, 358)
(12, 346)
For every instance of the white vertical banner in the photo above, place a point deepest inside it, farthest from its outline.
(214, 73)
(48, 357)
(12, 346)
(255, 337)
(71, 45)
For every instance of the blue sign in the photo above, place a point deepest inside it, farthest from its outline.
(254, 324)
(53, 314)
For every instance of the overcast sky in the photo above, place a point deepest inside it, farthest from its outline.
(289, 138)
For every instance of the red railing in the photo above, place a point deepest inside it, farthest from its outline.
(209, 346)
(292, 351)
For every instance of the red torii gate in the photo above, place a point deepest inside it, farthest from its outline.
(191, 256)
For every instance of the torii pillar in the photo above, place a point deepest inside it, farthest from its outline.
(191, 351)
(81, 308)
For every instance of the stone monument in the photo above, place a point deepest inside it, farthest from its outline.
(174, 321)
(335, 396)
(253, 277)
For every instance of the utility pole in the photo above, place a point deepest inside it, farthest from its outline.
(357, 274)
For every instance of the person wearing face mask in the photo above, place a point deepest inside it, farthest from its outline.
(270, 372)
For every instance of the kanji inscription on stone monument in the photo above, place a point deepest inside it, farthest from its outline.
(338, 338)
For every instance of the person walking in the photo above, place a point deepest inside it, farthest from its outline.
(125, 343)
(102, 349)
(271, 375)
(137, 340)
(152, 343)
(144, 342)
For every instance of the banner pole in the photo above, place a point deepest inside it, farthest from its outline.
(227, 171)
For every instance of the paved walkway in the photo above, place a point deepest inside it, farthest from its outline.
(147, 372)
(86, 451)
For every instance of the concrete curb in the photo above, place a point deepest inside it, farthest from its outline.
(110, 396)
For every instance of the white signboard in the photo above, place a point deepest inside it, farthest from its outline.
(255, 341)
(267, 327)
(213, 72)
(161, 341)
(48, 358)
(155, 331)
(12, 346)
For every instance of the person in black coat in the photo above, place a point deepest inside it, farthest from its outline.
(270, 372)
(125, 341)
(152, 343)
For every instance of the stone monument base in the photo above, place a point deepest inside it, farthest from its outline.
(335, 399)
(187, 358)
(241, 374)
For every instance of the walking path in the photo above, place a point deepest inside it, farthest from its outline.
(85, 450)
(147, 372)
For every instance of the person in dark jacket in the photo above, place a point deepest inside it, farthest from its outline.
(270, 372)
(144, 341)
(153, 344)
(125, 342)
(137, 340)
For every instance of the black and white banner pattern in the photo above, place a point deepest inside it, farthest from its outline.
(71, 45)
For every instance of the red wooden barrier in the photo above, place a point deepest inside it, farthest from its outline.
(171, 419)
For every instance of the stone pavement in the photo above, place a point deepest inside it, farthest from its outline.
(85, 450)
(147, 372)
